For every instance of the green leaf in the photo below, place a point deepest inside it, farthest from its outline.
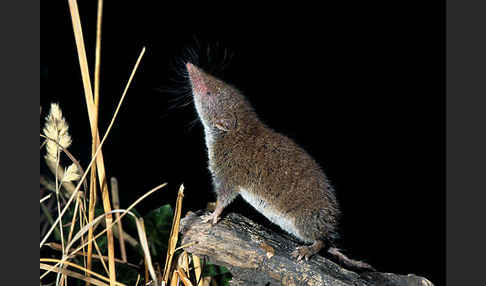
(214, 270)
(158, 223)
(129, 222)
(220, 273)
(126, 274)
(102, 242)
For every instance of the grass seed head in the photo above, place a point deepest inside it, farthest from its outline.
(56, 128)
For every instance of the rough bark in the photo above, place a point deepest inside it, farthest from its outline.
(257, 256)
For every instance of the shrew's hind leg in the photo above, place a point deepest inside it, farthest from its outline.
(307, 251)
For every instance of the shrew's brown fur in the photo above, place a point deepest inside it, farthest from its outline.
(270, 171)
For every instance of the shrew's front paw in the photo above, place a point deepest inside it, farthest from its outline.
(213, 218)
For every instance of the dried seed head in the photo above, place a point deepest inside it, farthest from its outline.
(71, 173)
(56, 128)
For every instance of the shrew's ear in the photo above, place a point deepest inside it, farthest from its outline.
(227, 124)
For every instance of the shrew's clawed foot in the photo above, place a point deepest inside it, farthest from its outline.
(213, 218)
(307, 251)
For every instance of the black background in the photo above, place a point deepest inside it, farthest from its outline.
(359, 85)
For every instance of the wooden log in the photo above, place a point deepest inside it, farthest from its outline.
(257, 256)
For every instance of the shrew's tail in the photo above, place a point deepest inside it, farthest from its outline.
(348, 262)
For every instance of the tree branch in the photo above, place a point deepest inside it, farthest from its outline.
(257, 256)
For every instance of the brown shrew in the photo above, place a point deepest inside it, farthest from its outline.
(270, 172)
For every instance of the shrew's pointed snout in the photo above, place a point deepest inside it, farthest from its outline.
(194, 72)
(196, 78)
(190, 67)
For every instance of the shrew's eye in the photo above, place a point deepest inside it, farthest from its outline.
(208, 93)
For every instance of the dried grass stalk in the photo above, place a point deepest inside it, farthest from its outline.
(116, 205)
(197, 269)
(56, 128)
(57, 246)
(146, 272)
(78, 267)
(138, 280)
(183, 277)
(78, 34)
(146, 251)
(183, 263)
(174, 279)
(207, 281)
(174, 232)
(72, 274)
(82, 231)
(68, 186)
(92, 196)
(45, 198)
